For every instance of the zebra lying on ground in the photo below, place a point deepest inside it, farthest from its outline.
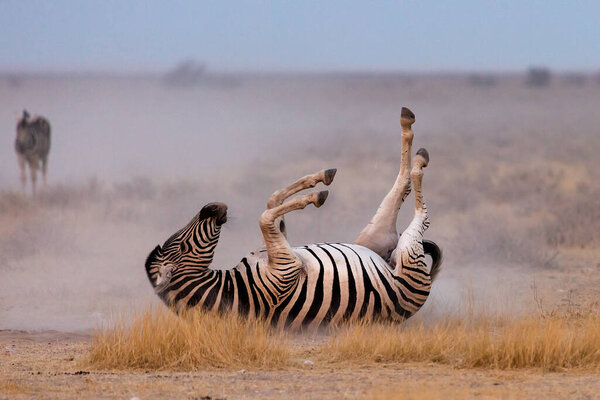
(382, 275)
(32, 145)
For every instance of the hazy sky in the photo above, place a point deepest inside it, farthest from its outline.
(300, 35)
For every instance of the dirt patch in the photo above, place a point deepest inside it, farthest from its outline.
(46, 365)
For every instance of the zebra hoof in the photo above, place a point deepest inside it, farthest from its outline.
(321, 197)
(329, 175)
(407, 116)
(425, 154)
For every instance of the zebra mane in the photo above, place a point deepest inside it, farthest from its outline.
(31, 120)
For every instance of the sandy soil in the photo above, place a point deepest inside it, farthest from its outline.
(513, 191)
(45, 365)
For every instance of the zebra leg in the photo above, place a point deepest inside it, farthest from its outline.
(408, 259)
(309, 181)
(380, 235)
(22, 168)
(283, 262)
(44, 169)
(34, 164)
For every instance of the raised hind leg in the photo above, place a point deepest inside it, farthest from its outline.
(309, 181)
(408, 259)
(283, 263)
(380, 235)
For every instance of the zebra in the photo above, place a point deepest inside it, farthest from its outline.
(32, 145)
(382, 275)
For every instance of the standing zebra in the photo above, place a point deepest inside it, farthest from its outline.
(382, 275)
(32, 146)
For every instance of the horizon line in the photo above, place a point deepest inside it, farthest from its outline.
(127, 72)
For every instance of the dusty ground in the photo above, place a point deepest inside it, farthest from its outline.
(45, 365)
(513, 191)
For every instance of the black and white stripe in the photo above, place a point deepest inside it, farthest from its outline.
(336, 281)
(32, 145)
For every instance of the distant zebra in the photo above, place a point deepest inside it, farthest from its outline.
(32, 145)
(382, 275)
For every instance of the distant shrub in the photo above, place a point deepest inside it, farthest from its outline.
(187, 73)
(484, 80)
(538, 77)
(14, 81)
(575, 78)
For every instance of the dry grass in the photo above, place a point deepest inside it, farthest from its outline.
(567, 341)
(159, 339)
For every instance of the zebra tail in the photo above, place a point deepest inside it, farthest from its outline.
(436, 256)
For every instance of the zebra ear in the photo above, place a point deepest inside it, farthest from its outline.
(25, 114)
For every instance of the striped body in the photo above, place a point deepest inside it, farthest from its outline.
(336, 282)
(33, 139)
(32, 146)
(383, 275)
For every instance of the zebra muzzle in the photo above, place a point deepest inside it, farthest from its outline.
(218, 211)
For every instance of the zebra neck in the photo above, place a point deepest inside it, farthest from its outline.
(195, 249)
(189, 286)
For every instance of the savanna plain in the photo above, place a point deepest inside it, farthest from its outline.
(513, 194)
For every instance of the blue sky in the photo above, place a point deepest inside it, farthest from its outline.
(350, 35)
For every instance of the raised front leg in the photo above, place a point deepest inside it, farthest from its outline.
(283, 263)
(408, 259)
(380, 235)
(309, 181)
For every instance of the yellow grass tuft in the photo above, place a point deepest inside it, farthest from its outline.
(551, 342)
(159, 339)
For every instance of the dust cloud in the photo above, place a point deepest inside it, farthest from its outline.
(513, 179)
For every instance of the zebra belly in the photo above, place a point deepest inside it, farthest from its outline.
(340, 282)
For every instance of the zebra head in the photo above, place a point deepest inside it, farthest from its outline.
(190, 248)
(22, 126)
